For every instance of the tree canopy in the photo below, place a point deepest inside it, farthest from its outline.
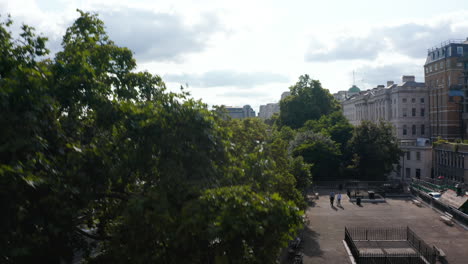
(99, 161)
(308, 101)
(375, 149)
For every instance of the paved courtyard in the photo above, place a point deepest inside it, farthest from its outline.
(322, 239)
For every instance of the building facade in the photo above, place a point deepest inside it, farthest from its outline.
(445, 76)
(405, 107)
(450, 163)
(267, 111)
(240, 112)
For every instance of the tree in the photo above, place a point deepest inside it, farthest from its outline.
(308, 101)
(375, 149)
(98, 158)
(318, 150)
(334, 125)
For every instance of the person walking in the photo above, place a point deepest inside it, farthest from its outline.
(332, 198)
(338, 200)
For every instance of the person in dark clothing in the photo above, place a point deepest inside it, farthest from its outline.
(332, 198)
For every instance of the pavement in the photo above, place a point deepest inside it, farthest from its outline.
(323, 235)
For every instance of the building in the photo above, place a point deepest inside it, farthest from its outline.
(267, 111)
(240, 112)
(445, 74)
(341, 96)
(405, 107)
(450, 163)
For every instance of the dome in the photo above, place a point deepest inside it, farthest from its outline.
(354, 89)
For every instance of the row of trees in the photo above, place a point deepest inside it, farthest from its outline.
(328, 142)
(100, 162)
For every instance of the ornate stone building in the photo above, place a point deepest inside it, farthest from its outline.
(405, 107)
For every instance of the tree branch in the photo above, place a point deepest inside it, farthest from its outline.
(92, 236)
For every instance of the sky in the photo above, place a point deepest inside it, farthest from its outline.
(248, 52)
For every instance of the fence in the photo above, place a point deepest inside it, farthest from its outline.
(391, 235)
(457, 214)
(378, 234)
(424, 249)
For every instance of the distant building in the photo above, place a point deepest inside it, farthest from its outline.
(405, 107)
(341, 96)
(240, 112)
(285, 94)
(267, 111)
(445, 73)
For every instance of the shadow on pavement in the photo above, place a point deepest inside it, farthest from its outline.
(311, 246)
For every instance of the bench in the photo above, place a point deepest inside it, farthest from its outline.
(417, 203)
(447, 218)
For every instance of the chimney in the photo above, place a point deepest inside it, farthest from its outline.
(390, 83)
(408, 78)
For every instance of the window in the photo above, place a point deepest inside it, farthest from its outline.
(404, 100)
(441, 65)
(413, 100)
(408, 155)
(404, 130)
(460, 50)
(423, 111)
(448, 64)
(405, 112)
(435, 67)
(408, 173)
(418, 173)
(449, 51)
(430, 68)
(459, 64)
(423, 130)
(413, 130)
(413, 112)
(427, 70)
(422, 100)
(418, 155)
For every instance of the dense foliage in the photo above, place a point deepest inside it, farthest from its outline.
(308, 101)
(99, 161)
(311, 121)
(375, 150)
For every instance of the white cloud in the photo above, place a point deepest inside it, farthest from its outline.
(158, 36)
(411, 39)
(221, 78)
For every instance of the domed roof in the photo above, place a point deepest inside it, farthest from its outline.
(354, 89)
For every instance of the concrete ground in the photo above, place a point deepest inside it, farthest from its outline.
(322, 239)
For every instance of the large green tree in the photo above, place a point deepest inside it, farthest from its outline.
(319, 151)
(99, 160)
(308, 101)
(375, 150)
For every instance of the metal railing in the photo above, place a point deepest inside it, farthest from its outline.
(378, 234)
(423, 253)
(457, 214)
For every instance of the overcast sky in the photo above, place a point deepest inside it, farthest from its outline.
(249, 52)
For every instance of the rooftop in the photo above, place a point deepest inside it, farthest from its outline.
(448, 42)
